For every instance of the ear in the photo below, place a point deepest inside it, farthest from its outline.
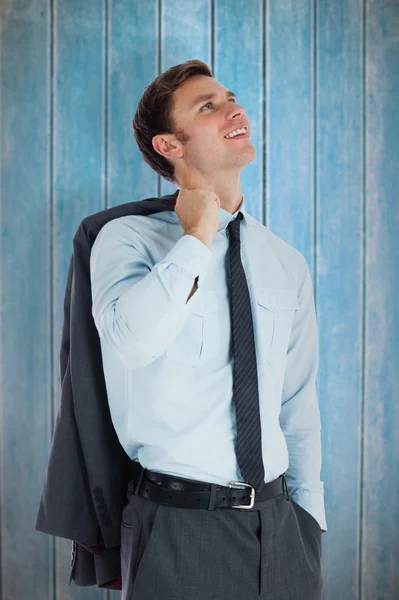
(167, 145)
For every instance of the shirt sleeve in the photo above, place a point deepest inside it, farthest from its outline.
(139, 308)
(300, 414)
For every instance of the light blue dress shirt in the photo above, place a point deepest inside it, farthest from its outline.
(168, 362)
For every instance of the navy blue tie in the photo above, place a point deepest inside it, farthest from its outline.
(245, 376)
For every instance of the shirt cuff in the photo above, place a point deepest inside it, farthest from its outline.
(191, 255)
(313, 503)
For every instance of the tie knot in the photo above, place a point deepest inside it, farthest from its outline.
(234, 226)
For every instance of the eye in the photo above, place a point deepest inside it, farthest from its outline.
(231, 100)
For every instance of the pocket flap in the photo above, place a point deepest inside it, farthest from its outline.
(203, 302)
(276, 299)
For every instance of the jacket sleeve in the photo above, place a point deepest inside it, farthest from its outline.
(66, 506)
(102, 570)
(61, 509)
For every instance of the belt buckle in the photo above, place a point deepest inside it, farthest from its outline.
(252, 495)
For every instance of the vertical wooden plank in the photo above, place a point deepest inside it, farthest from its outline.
(79, 153)
(133, 63)
(25, 303)
(313, 147)
(339, 260)
(238, 65)
(380, 549)
(289, 123)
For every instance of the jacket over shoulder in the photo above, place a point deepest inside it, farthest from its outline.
(88, 470)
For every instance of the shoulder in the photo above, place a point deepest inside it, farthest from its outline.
(291, 259)
(126, 230)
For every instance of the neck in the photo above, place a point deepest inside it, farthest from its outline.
(228, 189)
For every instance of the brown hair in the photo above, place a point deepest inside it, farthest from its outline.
(154, 113)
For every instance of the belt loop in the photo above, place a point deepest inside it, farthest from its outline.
(212, 497)
(136, 489)
(285, 487)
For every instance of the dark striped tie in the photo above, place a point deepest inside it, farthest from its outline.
(245, 375)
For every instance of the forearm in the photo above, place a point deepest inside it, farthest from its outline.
(300, 422)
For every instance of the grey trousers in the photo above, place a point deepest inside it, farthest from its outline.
(272, 551)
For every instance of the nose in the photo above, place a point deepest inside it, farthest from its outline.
(235, 110)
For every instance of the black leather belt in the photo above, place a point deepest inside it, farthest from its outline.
(190, 493)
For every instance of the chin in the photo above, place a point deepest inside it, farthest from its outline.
(248, 157)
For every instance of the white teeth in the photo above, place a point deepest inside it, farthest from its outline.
(235, 132)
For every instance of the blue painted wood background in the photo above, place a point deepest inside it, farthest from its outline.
(320, 83)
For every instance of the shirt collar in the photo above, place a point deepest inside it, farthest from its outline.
(225, 216)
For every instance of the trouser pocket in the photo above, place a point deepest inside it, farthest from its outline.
(312, 527)
(291, 553)
(137, 528)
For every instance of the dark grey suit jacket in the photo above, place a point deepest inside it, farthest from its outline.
(88, 470)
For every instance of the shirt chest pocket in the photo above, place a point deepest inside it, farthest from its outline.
(276, 310)
(199, 339)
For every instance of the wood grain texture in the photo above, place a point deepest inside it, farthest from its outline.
(289, 137)
(26, 376)
(320, 85)
(339, 278)
(380, 491)
(133, 63)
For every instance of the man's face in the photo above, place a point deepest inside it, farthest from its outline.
(201, 126)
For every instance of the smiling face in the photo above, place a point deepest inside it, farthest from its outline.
(204, 111)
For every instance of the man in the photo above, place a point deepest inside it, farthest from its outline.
(210, 352)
